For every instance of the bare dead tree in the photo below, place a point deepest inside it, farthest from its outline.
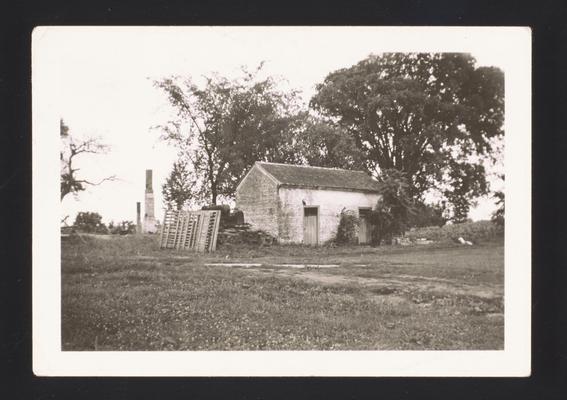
(70, 181)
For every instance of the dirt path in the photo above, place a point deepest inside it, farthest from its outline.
(399, 283)
(386, 282)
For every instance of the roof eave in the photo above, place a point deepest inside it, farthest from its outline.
(340, 189)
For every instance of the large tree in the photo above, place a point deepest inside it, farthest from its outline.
(224, 126)
(432, 116)
(72, 148)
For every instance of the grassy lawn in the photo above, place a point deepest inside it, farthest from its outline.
(123, 293)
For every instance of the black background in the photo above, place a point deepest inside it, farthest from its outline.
(548, 20)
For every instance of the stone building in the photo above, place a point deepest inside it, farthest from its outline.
(302, 204)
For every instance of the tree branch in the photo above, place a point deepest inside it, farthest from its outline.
(109, 178)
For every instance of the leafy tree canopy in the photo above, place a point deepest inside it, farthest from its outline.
(427, 215)
(325, 144)
(431, 116)
(223, 127)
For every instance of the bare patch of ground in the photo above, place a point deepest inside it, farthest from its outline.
(399, 283)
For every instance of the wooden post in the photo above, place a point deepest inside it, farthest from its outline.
(138, 218)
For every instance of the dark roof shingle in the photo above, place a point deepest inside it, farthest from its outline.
(318, 177)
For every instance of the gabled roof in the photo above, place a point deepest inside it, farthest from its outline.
(319, 177)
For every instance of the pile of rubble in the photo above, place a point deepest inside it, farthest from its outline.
(243, 234)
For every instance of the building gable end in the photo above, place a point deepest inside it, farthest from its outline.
(259, 168)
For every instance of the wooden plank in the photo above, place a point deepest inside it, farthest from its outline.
(195, 218)
(182, 231)
(186, 231)
(164, 228)
(170, 243)
(202, 232)
(209, 231)
(215, 231)
(178, 230)
(167, 218)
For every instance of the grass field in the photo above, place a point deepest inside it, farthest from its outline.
(123, 293)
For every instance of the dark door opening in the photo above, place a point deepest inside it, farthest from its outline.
(364, 226)
(311, 225)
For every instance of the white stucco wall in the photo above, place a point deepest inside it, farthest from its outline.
(330, 202)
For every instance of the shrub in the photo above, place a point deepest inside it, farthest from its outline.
(498, 216)
(392, 213)
(90, 222)
(383, 223)
(236, 217)
(473, 231)
(122, 228)
(347, 232)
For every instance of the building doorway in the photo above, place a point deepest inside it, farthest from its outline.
(364, 226)
(311, 226)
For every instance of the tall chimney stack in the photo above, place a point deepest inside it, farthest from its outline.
(149, 181)
(149, 217)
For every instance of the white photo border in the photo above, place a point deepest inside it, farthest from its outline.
(513, 361)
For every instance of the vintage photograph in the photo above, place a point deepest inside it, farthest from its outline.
(279, 189)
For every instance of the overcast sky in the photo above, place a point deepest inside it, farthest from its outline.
(106, 88)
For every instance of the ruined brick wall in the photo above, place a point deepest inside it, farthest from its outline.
(257, 197)
(330, 203)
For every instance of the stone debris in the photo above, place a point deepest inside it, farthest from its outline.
(401, 241)
(463, 241)
(243, 234)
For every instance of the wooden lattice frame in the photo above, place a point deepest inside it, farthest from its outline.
(190, 230)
